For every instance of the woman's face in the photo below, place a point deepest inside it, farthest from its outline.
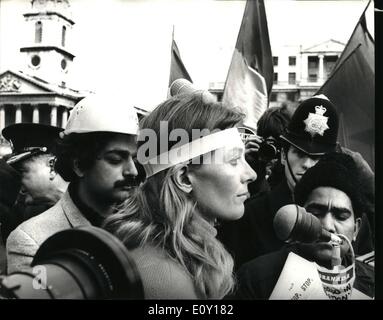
(220, 187)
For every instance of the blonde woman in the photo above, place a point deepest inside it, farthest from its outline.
(168, 224)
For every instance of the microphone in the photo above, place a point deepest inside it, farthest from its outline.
(294, 223)
(183, 86)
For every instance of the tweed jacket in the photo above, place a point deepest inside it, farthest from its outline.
(24, 241)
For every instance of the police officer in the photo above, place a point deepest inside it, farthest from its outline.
(10, 183)
(95, 155)
(32, 157)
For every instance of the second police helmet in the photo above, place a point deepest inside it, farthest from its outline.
(314, 126)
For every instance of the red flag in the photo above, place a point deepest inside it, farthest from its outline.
(177, 68)
(351, 87)
(250, 77)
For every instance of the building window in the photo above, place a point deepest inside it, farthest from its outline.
(275, 79)
(313, 62)
(63, 34)
(292, 77)
(313, 77)
(63, 64)
(291, 96)
(275, 61)
(35, 60)
(292, 61)
(329, 64)
(313, 68)
(38, 31)
(273, 97)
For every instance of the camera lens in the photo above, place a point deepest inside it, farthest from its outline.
(82, 263)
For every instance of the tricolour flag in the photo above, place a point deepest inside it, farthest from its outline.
(250, 77)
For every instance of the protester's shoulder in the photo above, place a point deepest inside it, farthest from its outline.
(149, 257)
(46, 216)
(38, 225)
(162, 277)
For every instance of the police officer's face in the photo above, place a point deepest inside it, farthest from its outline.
(113, 173)
(299, 162)
(36, 180)
(334, 210)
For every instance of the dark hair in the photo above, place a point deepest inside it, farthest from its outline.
(273, 122)
(334, 170)
(83, 147)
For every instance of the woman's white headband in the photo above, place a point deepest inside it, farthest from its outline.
(193, 149)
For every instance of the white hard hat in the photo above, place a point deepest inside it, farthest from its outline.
(99, 113)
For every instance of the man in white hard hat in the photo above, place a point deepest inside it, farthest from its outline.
(95, 155)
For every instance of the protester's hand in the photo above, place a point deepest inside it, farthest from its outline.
(252, 144)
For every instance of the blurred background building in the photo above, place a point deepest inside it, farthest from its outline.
(38, 93)
(298, 72)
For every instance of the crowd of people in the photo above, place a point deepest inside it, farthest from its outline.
(191, 197)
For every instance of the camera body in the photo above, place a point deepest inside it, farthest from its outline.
(268, 150)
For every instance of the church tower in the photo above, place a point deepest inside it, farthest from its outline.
(46, 54)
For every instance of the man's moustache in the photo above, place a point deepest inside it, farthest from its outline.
(126, 183)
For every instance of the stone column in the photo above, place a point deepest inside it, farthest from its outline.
(64, 117)
(36, 114)
(2, 118)
(321, 68)
(304, 68)
(19, 115)
(53, 115)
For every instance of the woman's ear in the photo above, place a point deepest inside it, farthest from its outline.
(76, 168)
(181, 178)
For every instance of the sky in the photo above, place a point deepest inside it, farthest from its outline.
(124, 45)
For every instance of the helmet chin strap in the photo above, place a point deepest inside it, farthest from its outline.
(292, 175)
(290, 170)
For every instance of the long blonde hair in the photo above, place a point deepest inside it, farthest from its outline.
(160, 214)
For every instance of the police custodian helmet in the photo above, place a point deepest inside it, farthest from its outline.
(313, 128)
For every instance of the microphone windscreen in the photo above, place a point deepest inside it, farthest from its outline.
(181, 86)
(285, 220)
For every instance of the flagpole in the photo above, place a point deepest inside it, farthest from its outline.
(359, 21)
(173, 32)
(171, 52)
(365, 9)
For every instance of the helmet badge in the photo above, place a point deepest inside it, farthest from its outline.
(316, 123)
